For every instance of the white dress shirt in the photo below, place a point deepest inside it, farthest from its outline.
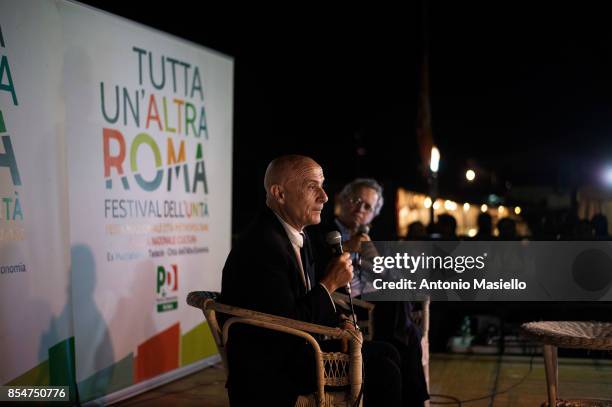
(297, 241)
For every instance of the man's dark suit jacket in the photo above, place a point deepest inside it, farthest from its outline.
(262, 273)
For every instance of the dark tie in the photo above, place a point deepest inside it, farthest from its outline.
(305, 256)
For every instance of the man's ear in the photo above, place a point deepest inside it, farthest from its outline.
(278, 193)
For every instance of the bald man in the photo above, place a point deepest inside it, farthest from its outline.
(270, 269)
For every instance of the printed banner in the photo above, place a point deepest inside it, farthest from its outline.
(149, 160)
(36, 340)
(115, 170)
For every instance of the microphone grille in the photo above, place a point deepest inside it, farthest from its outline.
(365, 229)
(333, 238)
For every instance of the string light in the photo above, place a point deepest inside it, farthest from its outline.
(434, 162)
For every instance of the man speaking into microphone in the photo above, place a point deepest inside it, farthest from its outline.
(271, 269)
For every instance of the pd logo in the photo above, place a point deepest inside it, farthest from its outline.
(167, 288)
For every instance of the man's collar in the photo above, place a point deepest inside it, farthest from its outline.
(294, 235)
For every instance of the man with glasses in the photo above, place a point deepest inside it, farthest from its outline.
(359, 202)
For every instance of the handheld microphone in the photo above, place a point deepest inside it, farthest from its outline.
(334, 240)
(363, 230)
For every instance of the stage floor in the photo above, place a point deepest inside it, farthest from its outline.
(464, 377)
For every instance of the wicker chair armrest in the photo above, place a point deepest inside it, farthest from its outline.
(196, 298)
(206, 300)
(336, 333)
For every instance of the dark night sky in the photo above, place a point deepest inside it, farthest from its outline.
(524, 92)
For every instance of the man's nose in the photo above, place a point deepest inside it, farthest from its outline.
(323, 196)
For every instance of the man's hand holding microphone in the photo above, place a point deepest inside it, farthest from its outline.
(353, 245)
(339, 272)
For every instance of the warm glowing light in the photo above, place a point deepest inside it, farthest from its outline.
(484, 208)
(501, 209)
(404, 212)
(517, 210)
(470, 175)
(466, 207)
(472, 232)
(427, 203)
(436, 205)
(450, 205)
(434, 162)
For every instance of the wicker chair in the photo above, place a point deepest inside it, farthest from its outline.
(365, 321)
(567, 334)
(332, 368)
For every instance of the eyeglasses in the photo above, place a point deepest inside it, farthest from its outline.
(357, 202)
